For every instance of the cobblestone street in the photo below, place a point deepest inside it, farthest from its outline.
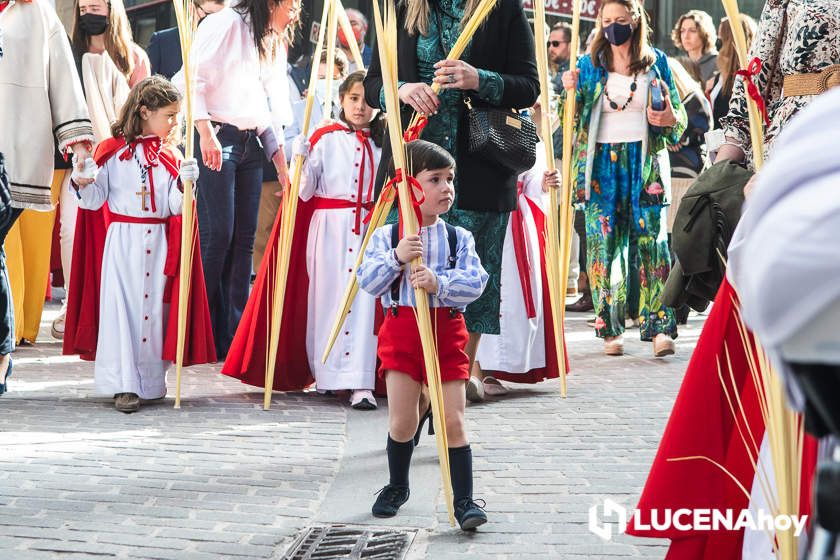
(221, 478)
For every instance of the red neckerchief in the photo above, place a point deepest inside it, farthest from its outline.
(151, 151)
(4, 5)
(753, 69)
(363, 136)
(391, 189)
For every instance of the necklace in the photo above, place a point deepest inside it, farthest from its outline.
(613, 104)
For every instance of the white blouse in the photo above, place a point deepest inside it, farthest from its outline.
(232, 84)
(629, 124)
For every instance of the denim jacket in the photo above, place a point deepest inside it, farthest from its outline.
(655, 167)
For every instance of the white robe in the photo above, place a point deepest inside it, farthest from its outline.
(132, 314)
(332, 171)
(520, 345)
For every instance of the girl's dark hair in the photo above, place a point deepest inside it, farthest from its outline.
(421, 155)
(377, 125)
(260, 18)
(153, 93)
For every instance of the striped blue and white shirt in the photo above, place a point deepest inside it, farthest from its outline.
(457, 287)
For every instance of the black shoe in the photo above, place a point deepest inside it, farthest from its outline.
(582, 305)
(3, 386)
(469, 514)
(390, 498)
(426, 416)
(681, 314)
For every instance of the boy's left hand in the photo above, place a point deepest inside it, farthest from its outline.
(423, 277)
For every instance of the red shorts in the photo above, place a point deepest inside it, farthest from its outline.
(400, 348)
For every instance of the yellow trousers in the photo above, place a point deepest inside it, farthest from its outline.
(28, 248)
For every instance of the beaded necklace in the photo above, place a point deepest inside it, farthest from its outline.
(613, 104)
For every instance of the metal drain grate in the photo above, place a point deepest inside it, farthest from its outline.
(340, 541)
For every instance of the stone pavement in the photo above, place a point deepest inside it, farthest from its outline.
(221, 478)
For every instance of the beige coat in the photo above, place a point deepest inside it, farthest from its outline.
(40, 100)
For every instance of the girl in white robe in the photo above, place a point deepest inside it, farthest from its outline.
(137, 180)
(337, 178)
(518, 352)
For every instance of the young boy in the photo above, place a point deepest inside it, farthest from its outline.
(453, 277)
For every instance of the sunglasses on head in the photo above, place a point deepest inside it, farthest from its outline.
(554, 44)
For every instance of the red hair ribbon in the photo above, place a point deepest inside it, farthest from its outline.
(752, 70)
(413, 132)
(391, 189)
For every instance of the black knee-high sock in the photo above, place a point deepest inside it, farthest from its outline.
(460, 471)
(399, 460)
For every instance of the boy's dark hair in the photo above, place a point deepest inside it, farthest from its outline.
(421, 155)
(377, 125)
(153, 93)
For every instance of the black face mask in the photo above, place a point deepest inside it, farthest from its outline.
(618, 33)
(93, 24)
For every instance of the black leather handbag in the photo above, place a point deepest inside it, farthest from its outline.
(504, 137)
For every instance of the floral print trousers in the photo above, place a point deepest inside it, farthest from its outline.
(612, 211)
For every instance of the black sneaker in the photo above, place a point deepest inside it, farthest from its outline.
(390, 498)
(469, 514)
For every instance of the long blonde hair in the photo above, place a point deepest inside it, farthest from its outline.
(417, 15)
(641, 55)
(118, 38)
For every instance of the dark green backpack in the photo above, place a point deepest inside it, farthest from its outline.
(703, 227)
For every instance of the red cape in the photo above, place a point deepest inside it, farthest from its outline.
(702, 424)
(246, 359)
(551, 369)
(81, 329)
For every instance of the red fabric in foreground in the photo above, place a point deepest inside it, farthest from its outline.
(702, 424)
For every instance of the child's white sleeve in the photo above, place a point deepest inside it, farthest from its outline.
(176, 198)
(94, 196)
(462, 285)
(380, 266)
(311, 171)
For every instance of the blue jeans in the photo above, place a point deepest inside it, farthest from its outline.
(7, 308)
(228, 203)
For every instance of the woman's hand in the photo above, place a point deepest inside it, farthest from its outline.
(665, 118)
(456, 74)
(279, 161)
(423, 277)
(730, 151)
(750, 186)
(570, 79)
(84, 172)
(420, 97)
(550, 180)
(211, 149)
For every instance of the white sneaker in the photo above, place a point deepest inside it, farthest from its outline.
(58, 322)
(363, 399)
